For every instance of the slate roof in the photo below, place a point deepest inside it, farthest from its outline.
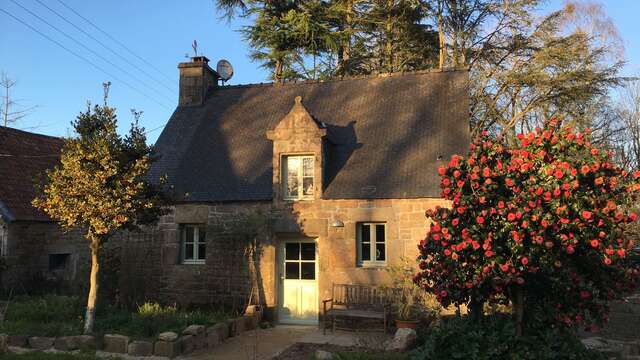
(386, 136)
(24, 157)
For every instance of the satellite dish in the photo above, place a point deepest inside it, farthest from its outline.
(224, 69)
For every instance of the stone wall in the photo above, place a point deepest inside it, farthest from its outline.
(39, 253)
(151, 260)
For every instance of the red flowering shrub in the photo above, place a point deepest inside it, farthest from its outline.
(544, 219)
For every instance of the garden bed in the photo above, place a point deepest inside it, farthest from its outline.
(55, 316)
(151, 330)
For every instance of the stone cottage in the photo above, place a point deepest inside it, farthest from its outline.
(33, 249)
(282, 190)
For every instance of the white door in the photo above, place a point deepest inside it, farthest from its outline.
(299, 284)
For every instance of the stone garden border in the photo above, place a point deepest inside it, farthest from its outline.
(167, 344)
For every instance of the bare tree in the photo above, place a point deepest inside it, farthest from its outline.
(11, 111)
(627, 110)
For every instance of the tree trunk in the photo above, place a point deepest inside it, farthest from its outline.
(277, 74)
(518, 308)
(344, 54)
(475, 309)
(440, 36)
(89, 319)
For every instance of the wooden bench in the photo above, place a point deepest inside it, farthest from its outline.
(355, 302)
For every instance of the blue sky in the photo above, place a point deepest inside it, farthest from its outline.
(161, 33)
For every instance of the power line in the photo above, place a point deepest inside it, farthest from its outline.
(83, 58)
(116, 41)
(91, 50)
(105, 46)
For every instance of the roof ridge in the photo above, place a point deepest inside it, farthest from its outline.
(6, 128)
(346, 78)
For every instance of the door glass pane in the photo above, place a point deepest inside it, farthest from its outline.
(188, 252)
(201, 251)
(292, 251)
(380, 233)
(292, 270)
(366, 252)
(308, 271)
(380, 252)
(307, 186)
(308, 251)
(366, 234)
(307, 167)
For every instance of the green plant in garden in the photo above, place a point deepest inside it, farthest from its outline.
(409, 301)
(539, 224)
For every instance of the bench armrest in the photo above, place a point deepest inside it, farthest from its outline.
(324, 305)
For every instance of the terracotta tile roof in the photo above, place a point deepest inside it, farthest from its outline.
(387, 136)
(24, 157)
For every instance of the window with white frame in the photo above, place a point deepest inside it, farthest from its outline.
(297, 176)
(371, 241)
(193, 243)
(4, 238)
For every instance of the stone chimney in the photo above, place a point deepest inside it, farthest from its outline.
(197, 79)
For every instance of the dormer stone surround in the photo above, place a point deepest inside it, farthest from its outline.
(297, 133)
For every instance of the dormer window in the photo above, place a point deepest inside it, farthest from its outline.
(297, 176)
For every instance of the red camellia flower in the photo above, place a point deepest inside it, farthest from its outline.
(524, 261)
(587, 214)
(480, 219)
(558, 174)
(595, 243)
(585, 169)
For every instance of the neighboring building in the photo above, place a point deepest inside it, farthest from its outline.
(334, 177)
(32, 246)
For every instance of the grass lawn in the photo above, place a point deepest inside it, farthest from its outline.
(63, 315)
(47, 356)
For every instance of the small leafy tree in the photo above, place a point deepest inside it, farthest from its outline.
(100, 186)
(540, 224)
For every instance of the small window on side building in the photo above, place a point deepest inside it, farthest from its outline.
(58, 262)
(371, 244)
(193, 244)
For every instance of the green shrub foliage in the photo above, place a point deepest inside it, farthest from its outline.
(494, 339)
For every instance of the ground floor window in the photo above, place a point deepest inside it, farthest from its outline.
(371, 244)
(193, 244)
